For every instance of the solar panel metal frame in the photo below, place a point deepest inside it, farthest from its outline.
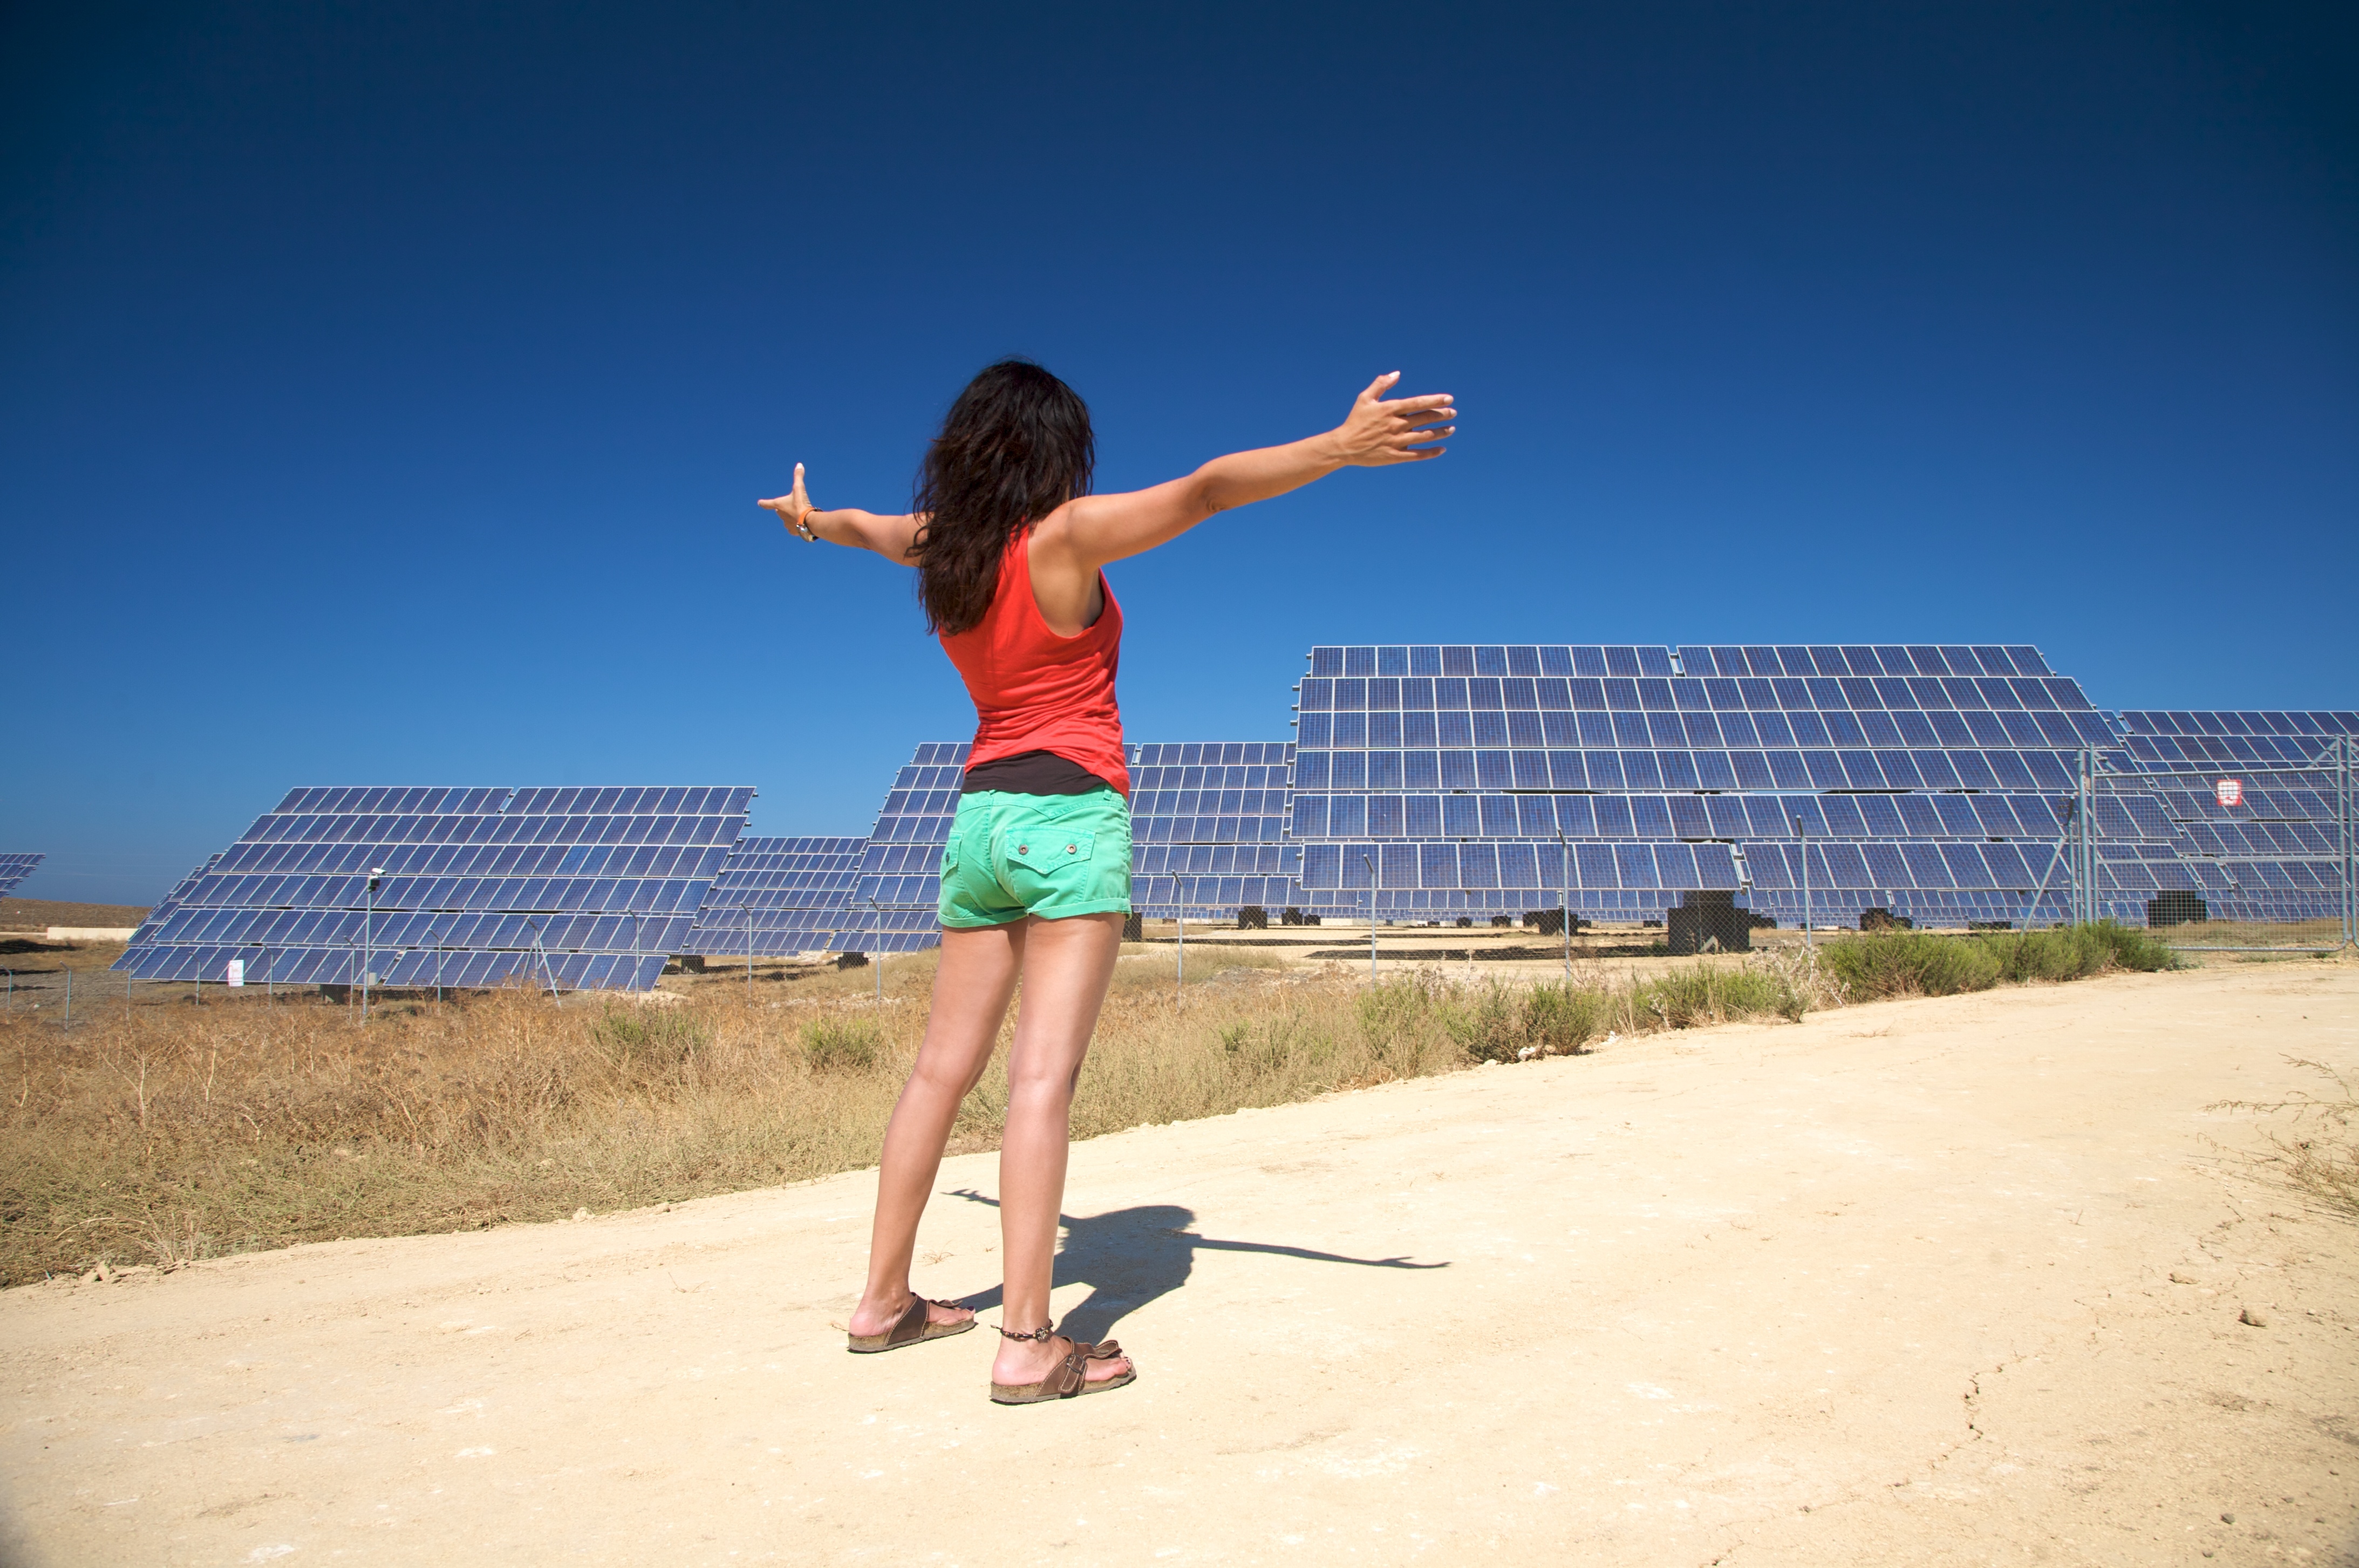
(15, 868)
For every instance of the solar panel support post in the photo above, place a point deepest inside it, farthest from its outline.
(368, 919)
(1371, 918)
(548, 971)
(1564, 904)
(2039, 895)
(875, 926)
(1180, 971)
(1809, 943)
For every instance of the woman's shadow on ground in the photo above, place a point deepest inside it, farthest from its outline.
(1130, 1256)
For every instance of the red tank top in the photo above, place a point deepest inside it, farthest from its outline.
(1035, 691)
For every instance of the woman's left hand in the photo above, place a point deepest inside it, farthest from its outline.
(794, 507)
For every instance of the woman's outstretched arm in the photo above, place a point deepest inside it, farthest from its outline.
(887, 536)
(1085, 533)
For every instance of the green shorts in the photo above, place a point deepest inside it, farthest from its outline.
(1050, 856)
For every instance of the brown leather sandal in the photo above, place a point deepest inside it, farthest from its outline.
(915, 1327)
(1068, 1379)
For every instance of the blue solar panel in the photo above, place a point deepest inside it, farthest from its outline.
(894, 904)
(574, 888)
(15, 868)
(1208, 829)
(777, 896)
(1684, 770)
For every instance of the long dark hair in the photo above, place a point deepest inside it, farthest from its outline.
(1015, 447)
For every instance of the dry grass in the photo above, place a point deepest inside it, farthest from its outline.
(2292, 936)
(39, 914)
(162, 1133)
(2320, 1158)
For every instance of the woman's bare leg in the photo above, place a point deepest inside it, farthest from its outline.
(1066, 965)
(971, 986)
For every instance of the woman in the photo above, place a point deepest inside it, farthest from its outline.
(1009, 547)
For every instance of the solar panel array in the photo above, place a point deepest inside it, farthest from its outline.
(1928, 778)
(777, 896)
(1935, 781)
(2158, 740)
(15, 868)
(1208, 828)
(895, 904)
(2273, 856)
(572, 887)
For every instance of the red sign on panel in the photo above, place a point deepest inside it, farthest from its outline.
(2232, 791)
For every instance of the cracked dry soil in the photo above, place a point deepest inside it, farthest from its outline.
(1958, 1281)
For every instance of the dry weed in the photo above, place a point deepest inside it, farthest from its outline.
(2319, 1157)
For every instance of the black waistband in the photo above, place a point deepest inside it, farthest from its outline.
(1032, 773)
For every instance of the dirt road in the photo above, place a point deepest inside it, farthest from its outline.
(1933, 1283)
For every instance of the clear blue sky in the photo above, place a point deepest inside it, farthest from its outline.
(384, 390)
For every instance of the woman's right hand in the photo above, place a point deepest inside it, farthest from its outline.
(793, 507)
(1377, 432)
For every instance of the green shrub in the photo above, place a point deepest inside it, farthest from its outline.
(1487, 1026)
(841, 1045)
(1405, 1019)
(646, 1038)
(1875, 965)
(2064, 954)
(2135, 949)
(1561, 1019)
(1914, 963)
(1704, 994)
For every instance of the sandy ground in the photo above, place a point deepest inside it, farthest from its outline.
(1932, 1283)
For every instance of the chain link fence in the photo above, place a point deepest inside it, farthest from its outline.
(2260, 859)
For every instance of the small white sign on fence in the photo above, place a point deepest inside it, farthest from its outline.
(236, 976)
(2230, 791)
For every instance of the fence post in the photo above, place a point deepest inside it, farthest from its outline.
(1564, 906)
(2084, 841)
(2349, 867)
